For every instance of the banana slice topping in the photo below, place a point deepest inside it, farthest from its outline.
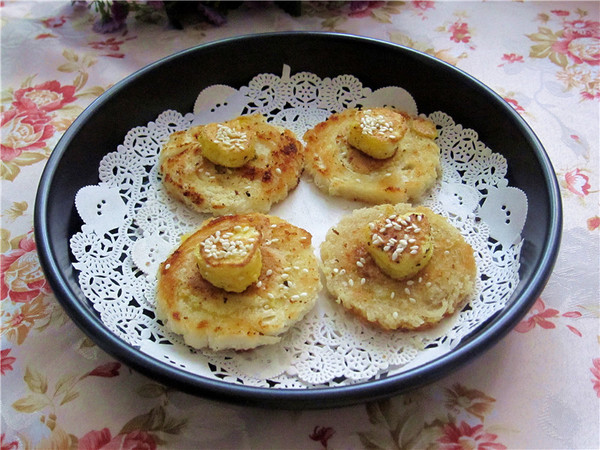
(377, 132)
(230, 258)
(226, 144)
(400, 245)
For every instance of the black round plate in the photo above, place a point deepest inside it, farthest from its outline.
(175, 81)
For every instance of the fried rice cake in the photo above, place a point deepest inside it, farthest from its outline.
(415, 302)
(252, 183)
(375, 155)
(283, 292)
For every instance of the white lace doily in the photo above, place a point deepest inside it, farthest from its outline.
(131, 225)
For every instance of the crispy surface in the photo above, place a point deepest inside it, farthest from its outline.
(253, 187)
(208, 316)
(339, 169)
(437, 291)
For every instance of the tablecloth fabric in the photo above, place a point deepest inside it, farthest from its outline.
(538, 388)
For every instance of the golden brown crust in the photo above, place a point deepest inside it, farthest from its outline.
(253, 187)
(436, 291)
(341, 170)
(208, 316)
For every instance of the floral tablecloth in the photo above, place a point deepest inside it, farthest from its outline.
(538, 388)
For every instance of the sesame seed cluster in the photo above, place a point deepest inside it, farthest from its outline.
(221, 246)
(390, 242)
(230, 138)
(376, 125)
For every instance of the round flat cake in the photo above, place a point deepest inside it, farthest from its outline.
(414, 302)
(376, 155)
(281, 290)
(207, 168)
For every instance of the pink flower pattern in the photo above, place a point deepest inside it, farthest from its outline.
(460, 32)
(580, 42)
(466, 437)
(21, 278)
(6, 361)
(48, 96)
(596, 372)
(103, 440)
(538, 316)
(23, 131)
(577, 182)
(544, 317)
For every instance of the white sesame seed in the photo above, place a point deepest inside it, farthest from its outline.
(393, 294)
(351, 282)
(278, 171)
(269, 272)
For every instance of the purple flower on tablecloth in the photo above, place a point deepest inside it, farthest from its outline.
(6, 361)
(21, 278)
(577, 182)
(48, 96)
(466, 437)
(363, 8)
(596, 372)
(23, 131)
(135, 440)
(113, 16)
